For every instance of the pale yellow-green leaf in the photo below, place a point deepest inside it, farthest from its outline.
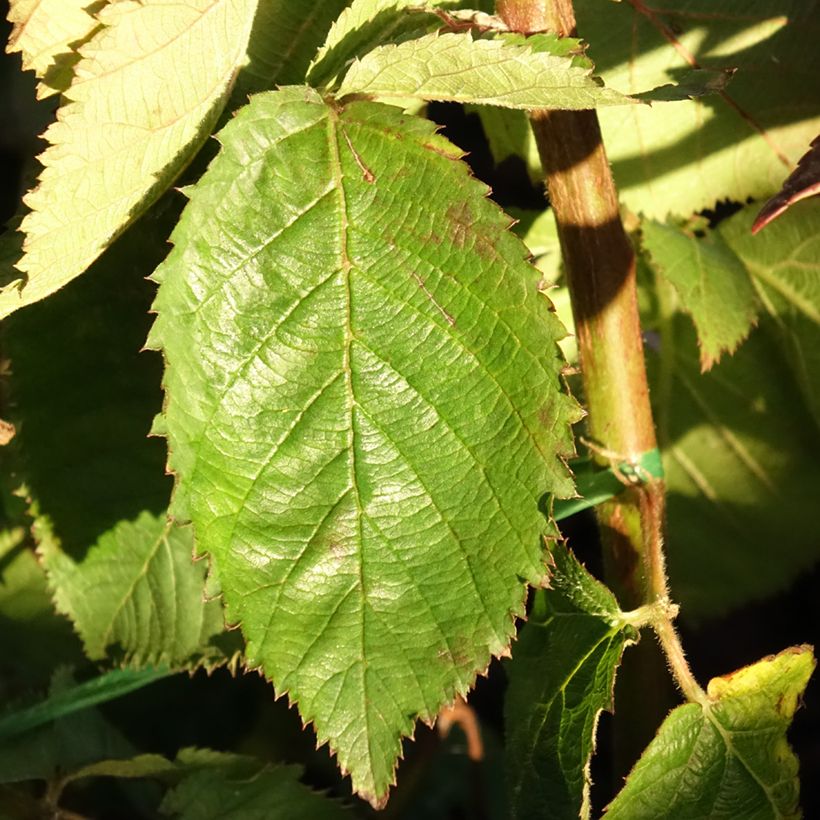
(146, 92)
(507, 72)
(45, 32)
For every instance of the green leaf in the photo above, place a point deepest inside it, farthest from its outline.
(366, 24)
(317, 365)
(728, 757)
(108, 686)
(784, 266)
(741, 470)
(284, 38)
(274, 793)
(737, 144)
(712, 283)
(561, 677)
(512, 72)
(145, 94)
(138, 588)
(47, 33)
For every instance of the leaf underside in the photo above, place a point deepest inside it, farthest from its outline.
(47, 33)
(364, 411)
(145, 94)
(728, 758)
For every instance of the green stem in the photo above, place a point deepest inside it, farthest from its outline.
(600, 266)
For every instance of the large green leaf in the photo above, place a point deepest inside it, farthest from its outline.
(513, 72)
(727, 757)
(138, 589)
(364, 411)
(47, 33)
(561, 677)
(683, 157)
(712, 283)
(784, 266)
(149, 86)
(740, 454)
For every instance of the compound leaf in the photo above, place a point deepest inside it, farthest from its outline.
(727, 757)
(146, 91)
(513, 72)
(712, 283)
(47, 33)
(138, 588)
(320, 342)
(561, 677)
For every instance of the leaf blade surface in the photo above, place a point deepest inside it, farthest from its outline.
(728, 757)
(343, 443)
(561, 677)
(148, 88)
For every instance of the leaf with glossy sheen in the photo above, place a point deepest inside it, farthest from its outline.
(364, 412)
(512, 72)
(681, 157)
(145, 94)
(366, 24)
(740, 456)
(561, 677)
(712, 283)
(728, 757)
(784, 266)
(138, 589)
(47, 33)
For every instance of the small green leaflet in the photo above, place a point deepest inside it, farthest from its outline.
(561, 677)
(507, 71)
(319, 345)
(728, 757)
(47, 34)
(138, 589)
(145, 94)
(712, 283)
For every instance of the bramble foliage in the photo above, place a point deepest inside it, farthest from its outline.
(361, 388)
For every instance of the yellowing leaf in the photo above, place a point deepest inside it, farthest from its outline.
(146, 92)
(46, 33)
